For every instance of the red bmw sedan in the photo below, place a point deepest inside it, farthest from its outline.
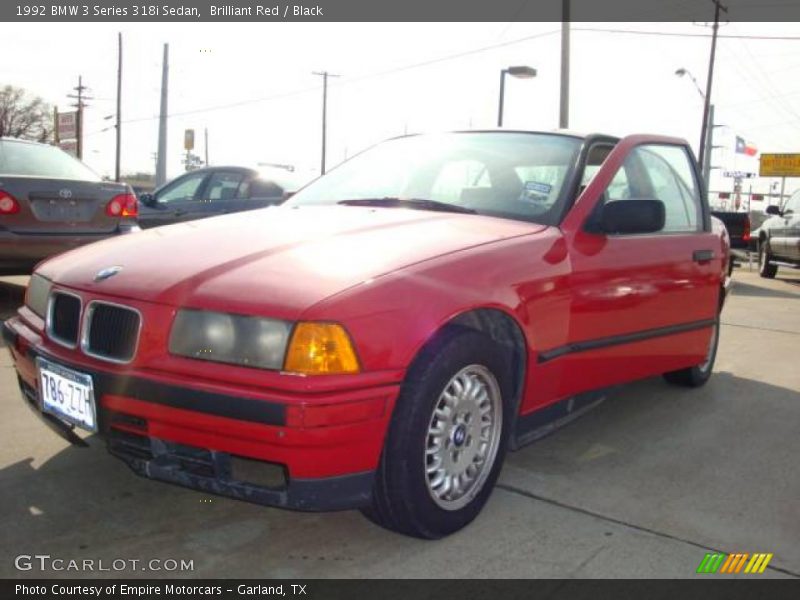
(382, 339)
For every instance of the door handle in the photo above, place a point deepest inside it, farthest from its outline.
(178, 212)
(700, 256)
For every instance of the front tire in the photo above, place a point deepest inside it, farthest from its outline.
(699, 374)
(765, 268)
(447, 439)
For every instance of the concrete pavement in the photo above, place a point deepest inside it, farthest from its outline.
(643, 486)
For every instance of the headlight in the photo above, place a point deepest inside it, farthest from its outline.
(235, 339)
(37, 294)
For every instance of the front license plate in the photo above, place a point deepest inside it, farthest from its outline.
(67, 394)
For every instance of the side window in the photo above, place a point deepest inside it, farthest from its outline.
(664, 173)
(619, 188)
(223, 185)
(182, 189)
(792, 204)
(672, 181)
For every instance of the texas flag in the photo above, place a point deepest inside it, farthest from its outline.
(743, 147)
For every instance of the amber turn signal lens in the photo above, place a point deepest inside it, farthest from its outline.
(320, 349)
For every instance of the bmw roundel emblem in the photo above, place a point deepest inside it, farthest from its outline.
(106, 273)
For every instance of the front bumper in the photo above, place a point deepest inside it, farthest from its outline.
(226, 444)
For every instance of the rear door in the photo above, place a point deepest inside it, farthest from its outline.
(259, 192)
(222, 193)
(641, 304)
(56, 192)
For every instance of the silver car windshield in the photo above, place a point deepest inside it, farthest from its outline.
(511, 175)
(38, 160)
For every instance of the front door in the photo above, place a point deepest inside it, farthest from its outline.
(785, 238)
(175, 202)
(641, 304)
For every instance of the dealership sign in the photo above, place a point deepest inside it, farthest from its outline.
(780, 165)
(67, 124)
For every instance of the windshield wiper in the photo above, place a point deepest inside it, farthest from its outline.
(418, 203)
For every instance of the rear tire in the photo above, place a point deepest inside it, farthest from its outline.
(765, 268)
(447, 439)
(699, 374)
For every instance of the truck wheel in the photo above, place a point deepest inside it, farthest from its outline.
(447, 439)
(765, 268)
(699, 374)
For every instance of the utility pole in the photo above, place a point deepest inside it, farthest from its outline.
(709, 147)
(79, 105)
(707, 103)
(563, 115)
(119, 107)
(324, 75)
(161, 165)
(205, 144)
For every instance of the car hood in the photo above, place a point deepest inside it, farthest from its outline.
(275, 261)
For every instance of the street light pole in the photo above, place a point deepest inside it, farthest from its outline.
(521, 72)
(502, 97)
(708, 128)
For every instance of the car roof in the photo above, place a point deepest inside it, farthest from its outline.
(21, 141)
(556, 132)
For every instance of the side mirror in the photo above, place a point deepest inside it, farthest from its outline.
(773, 210)
(632, 216)
(147, 199)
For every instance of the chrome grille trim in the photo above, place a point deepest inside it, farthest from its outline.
(87, 326)
(49, 319)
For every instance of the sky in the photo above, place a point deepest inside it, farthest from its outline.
(251, 85)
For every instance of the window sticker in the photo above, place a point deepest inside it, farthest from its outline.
(535, 186)
(535, 192)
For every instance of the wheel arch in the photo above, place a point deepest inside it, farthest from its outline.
(503, 328)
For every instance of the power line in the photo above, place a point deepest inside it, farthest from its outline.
(349, 80)
(785, 38)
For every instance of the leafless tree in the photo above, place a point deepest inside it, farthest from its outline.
(24, 115)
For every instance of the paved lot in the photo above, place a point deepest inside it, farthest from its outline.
(642, 486)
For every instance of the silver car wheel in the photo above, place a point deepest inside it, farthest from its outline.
(463, 437)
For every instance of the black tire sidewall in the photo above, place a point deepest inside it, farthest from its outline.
(404, 456)
(765, 268)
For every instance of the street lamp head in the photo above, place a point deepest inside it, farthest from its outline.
(681, 72)
(522, 72)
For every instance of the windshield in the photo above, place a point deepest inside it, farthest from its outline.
(510, 175)
(38, 160)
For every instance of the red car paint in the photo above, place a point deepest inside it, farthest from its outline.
(393, 278)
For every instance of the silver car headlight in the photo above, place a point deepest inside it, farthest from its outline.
(37, 294)
(226, 338)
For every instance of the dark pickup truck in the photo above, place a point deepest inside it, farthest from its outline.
(738, 226)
